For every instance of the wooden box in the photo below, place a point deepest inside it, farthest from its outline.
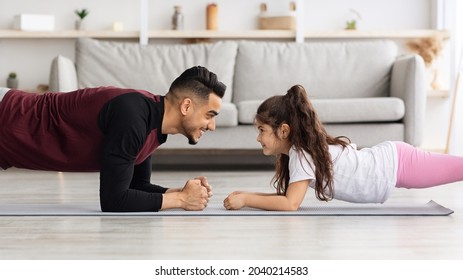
(279, 20)
(287, 22)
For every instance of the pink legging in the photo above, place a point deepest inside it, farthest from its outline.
(420, 169)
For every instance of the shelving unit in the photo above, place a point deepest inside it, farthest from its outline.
(222, 34)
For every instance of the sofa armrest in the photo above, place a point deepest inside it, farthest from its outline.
(408, 83)
(63, 75)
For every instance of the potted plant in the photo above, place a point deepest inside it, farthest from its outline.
(352, 20)
(81, 14)
(12, 81)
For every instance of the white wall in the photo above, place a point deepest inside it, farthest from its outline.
(234, 14)
(31, 58)
(320, 14)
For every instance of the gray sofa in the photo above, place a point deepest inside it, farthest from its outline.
(361, 89)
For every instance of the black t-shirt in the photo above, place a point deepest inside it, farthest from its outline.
(126, 122)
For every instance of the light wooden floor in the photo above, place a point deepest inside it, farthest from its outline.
(218, 237)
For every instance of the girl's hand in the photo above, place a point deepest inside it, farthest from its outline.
(235, 201)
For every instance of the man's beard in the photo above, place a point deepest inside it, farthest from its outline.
(189, 135)
(192, 141)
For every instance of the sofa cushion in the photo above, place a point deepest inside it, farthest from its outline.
(328, 70)
(151, 67)
(228, 115)
(62, 74)
(347, 110)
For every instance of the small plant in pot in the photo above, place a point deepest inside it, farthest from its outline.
(352, 20)
(81, 14)
(12, 81)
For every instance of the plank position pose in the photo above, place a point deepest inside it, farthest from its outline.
(113, 131)
(308, 157)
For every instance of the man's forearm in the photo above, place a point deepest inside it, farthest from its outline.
(172, 198)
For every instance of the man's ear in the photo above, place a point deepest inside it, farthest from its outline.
(284, 130)
(186, 105)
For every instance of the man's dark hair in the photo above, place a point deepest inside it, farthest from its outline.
(200, 81)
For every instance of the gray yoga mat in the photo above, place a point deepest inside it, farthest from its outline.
(429, 209)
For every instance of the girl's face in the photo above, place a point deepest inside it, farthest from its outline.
(273, 143)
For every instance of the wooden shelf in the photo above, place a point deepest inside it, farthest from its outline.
(386, 34)
(67, 34)
(438, 93)
(210, 34)
(291, 34)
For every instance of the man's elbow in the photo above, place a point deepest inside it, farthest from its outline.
(109, 205)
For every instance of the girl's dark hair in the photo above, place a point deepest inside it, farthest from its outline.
(200, 81)
(306, 134)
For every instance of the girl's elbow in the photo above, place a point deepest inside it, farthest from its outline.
(294, 206)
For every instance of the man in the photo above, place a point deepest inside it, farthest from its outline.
(113, 131)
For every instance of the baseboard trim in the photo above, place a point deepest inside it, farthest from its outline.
(212, 160)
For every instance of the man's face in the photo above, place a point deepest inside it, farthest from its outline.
(201, 117)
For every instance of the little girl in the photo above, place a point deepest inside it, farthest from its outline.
(307, 156)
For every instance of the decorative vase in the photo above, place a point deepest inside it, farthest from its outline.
(79, 24)
(212, 11)
(12, 83)
(177, 18)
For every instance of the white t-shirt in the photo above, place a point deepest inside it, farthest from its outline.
(363, 176)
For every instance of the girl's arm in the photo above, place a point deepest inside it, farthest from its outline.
(289, 202)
